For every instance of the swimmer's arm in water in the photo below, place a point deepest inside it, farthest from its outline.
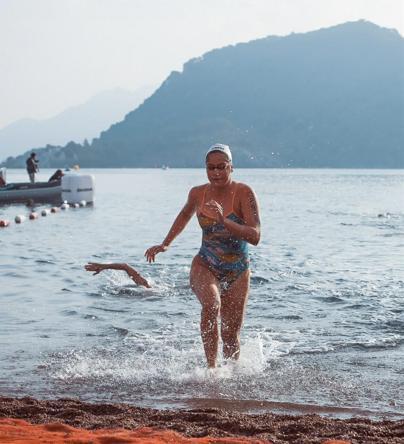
(251, 230)
(132, 273)
(180, 222)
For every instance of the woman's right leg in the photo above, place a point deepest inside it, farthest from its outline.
(206, 288)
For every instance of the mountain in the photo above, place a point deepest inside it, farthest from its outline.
(77, 123)
(327, 98)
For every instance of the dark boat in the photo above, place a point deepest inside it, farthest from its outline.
(72, 187)
(39, 192)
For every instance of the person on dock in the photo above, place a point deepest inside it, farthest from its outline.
(228, 214)
(32, 167)
(131, 272)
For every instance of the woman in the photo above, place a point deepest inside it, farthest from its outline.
(220, 277)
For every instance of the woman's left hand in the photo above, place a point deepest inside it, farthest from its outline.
(216, 209)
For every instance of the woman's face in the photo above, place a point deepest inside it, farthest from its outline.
(218, 169)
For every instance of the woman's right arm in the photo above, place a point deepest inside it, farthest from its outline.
(179, 224)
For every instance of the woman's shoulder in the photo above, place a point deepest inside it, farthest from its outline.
(243, 188)
(197, 190)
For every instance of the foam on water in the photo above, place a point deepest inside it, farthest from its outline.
(173, 375)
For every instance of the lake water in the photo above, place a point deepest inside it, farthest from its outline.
(324, 328)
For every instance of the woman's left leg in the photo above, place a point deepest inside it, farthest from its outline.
(233, 304)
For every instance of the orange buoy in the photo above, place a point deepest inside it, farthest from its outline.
(33, 215)
(54, 209)
(4, 223)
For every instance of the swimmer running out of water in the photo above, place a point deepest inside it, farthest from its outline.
(228, 214)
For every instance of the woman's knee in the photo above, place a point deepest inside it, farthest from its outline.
(211, 307)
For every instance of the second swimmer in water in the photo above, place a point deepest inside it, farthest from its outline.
(228, 214)
(131, 272)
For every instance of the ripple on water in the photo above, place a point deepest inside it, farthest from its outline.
(94, 295)
(355, 307)
(14, 274)
(383, 343)
(394, 326)
(69, 312)
(396, 234)
(109, 309)
(289, 317)
(330, 299)
(119, 330)
(297, 287)
(91, 317)
(259, 280)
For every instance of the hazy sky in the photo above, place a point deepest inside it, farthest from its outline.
(57, 53)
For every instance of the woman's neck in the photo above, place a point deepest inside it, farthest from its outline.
(221, 189)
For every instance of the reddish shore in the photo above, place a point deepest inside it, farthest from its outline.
(28, 420)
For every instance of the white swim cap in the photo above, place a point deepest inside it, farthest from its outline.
(220, 147)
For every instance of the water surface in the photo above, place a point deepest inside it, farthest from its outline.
(325, 318)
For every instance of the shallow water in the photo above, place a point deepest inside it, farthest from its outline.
(325, 319)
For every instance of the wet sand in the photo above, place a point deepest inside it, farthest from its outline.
(53, 421)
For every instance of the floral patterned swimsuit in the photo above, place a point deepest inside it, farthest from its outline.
(225, 255)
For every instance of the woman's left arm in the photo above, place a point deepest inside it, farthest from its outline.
(251, 230)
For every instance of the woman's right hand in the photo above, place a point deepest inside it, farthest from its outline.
(151, 252)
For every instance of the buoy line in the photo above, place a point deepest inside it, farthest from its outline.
(20, 218)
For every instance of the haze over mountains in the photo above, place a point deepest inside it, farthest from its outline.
(327, 98)
(84, 121)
